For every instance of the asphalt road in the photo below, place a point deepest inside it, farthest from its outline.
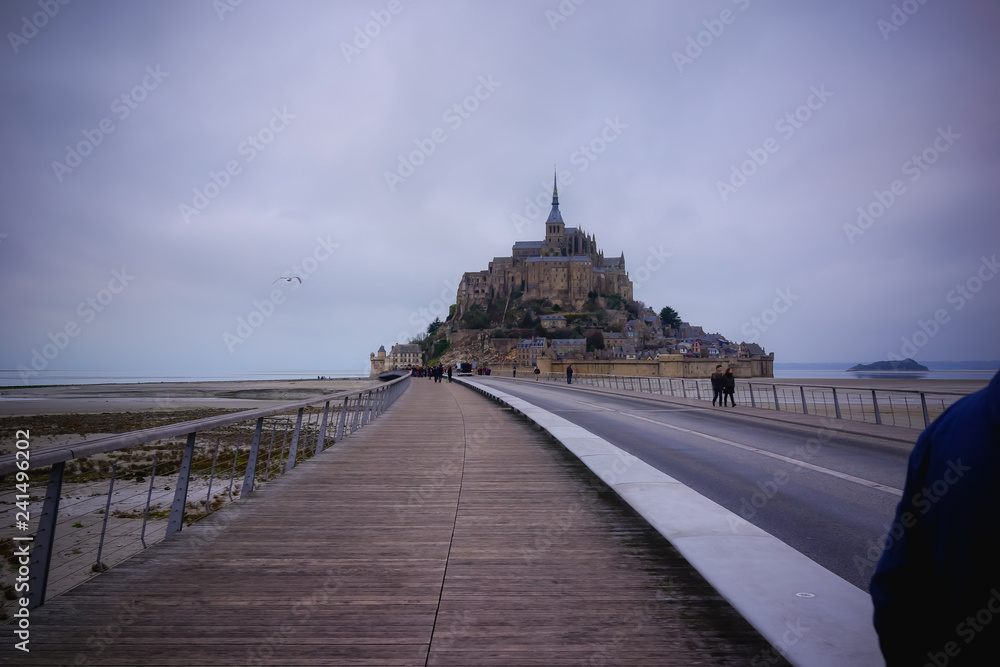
(829, 495)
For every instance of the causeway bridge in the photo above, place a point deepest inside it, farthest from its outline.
(466, 523)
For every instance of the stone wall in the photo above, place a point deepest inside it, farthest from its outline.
(675, 366)
(503, 346)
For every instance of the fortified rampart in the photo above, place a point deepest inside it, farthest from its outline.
(673, 366)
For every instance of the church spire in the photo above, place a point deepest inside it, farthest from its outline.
(554, 214)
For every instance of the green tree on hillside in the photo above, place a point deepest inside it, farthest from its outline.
(595, 341)
(670, 318)
(475, 318)
(434, 326)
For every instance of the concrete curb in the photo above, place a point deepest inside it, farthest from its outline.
(809, 614)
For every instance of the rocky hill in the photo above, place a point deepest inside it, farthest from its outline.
(904, 365)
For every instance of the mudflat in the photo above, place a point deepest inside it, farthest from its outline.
(160, 396)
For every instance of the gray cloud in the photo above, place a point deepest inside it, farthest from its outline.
(323, 175)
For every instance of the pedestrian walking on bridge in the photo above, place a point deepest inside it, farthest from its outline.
(717, 385)
(729, 387)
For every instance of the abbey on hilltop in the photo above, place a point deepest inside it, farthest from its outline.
(557, 302)
(566, 268)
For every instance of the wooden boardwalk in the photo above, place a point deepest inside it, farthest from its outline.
(448, 532)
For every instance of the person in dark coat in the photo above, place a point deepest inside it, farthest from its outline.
(729, 387)
(569, 374)
(936, 588)
(449, 373)
(717, 385)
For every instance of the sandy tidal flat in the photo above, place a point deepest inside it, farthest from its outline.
(166, 396)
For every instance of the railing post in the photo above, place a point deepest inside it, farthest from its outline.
(232, 475)
(338, 434)
(878, 415)
(211, 478)
(753, 401)
(293, 449)
(149, 498)
(248, 477)
(659, 383)
(107, 511)
(923, 406)
(774, 389)
(836, 403)
(322, 428)
(41, 553)
(684, 392)
(670, 383)
(697, 388)
(180, 495)
(305, 450)
(356, 418)
(270, 449)
(364, 410)
(802, 391)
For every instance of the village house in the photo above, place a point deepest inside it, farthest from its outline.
(569, 347)
(529, 350)
(553, 322)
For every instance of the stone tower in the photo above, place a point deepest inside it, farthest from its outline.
(555, 228)
(378, 362)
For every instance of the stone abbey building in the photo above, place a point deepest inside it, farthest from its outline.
(564, 268)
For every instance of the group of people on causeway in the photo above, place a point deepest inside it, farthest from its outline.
(436, 373)
(723, 386)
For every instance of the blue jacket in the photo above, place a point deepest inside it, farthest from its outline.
(936, 588)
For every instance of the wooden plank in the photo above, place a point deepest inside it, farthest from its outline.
(448, 532)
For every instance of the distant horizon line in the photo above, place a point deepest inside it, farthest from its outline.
(971, 364)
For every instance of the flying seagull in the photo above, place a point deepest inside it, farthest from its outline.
(286, 278)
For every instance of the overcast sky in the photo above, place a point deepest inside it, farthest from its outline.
(166, 162)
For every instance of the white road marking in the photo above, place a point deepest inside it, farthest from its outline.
(787, 459)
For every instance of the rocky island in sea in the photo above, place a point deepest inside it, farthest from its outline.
(906, 365)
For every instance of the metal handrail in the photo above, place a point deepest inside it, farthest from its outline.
(700, 389)
(366, 405)
(50, 455)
